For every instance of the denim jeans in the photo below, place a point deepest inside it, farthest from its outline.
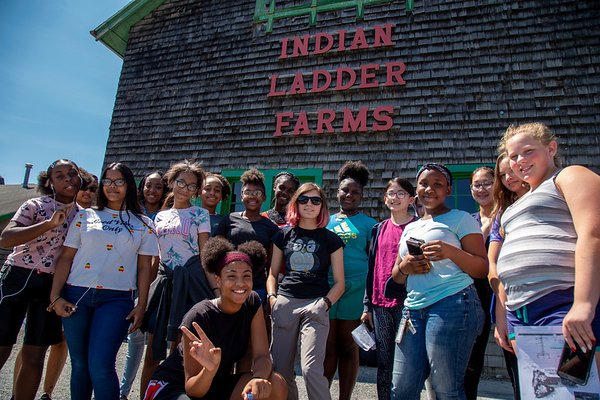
(135, 350)
(94, 335)
(440, 347)
(386, 321)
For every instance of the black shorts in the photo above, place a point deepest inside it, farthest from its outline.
(27, 292)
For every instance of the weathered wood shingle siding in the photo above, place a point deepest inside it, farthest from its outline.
(196, 73)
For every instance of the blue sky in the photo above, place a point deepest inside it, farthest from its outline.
(57, 84)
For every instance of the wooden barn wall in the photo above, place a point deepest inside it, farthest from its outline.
(196, 74)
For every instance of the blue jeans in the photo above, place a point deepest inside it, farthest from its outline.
(440, 347)
(135, 350)
(94, 335)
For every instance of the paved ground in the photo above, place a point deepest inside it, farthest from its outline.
(365, 387)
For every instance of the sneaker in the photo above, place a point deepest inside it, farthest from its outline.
(45, 396)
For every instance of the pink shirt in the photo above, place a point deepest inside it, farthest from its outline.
(387, 251)
(40, 253)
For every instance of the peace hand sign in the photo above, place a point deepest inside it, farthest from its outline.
(202, 349)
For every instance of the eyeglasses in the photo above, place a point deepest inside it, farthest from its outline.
(482, 185)
(315, 200)
(192, 187)
(117, 182)
(92, 189)
(252, 193)
(400, 195)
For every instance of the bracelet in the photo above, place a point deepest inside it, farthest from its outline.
(50, 308)
(328, 302)
(400, 270)
(269, 295)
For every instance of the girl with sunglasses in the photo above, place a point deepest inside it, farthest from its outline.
(382, 309)
(86, 197)
(300, 304)
(36, 233)
(106, 257)
(442, 314)
(182, 231)
(354, 228)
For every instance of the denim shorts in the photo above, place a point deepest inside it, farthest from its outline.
(550, 309)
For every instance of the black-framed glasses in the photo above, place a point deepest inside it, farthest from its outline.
(315, 200)
(483, 185)
(400, 194)
(117, 182)
(192, 187)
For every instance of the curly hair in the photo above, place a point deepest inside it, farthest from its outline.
(355, 170)
(181, 167)
(225, 186)
(253, 177)
(216, 249)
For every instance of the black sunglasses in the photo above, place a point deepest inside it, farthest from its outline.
(315, 200)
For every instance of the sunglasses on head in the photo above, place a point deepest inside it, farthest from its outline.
(315, 200)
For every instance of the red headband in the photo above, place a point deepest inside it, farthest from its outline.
(233, 256)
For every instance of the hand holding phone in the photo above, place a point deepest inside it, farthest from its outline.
(414, 248)
(575, 365)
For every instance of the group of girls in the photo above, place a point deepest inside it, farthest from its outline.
(306, 272)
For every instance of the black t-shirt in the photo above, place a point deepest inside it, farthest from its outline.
(238, 230)
(307, 255)
(230, 332)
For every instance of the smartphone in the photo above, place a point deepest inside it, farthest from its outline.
(414, 248)
(575, 365)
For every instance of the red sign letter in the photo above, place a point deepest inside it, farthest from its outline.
(325, 121)
(383, 38)
(365, 75)
(302, 124)
(383, 114)
(273, 91)
(317, 74)
(327, 47)
(358, 124)
(397, 74)
(280, 122)
(339, 81)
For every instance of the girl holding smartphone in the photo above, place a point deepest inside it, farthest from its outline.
(548, 260)
(442, 314)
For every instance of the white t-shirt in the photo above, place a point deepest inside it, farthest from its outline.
(177, 230)
(108, 248)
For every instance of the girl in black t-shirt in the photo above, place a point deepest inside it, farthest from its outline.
(300, 303)
(217, 334)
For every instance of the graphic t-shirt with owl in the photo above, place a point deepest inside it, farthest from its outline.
(42, 252)
(177, 231)
(307, 255)
(108, 248)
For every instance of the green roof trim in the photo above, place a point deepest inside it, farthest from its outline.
(114, 32)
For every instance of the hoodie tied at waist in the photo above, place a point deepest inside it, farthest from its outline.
(172, 294)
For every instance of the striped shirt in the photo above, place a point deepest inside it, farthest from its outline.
(538, 253)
